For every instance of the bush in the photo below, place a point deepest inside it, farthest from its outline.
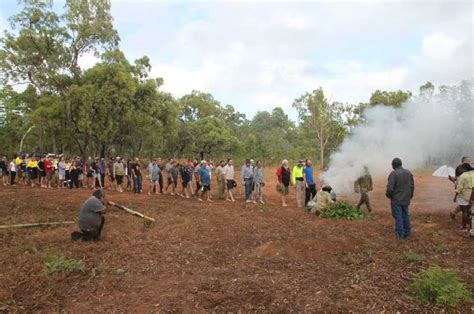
(440, 286)
(342, 209)
(410, 258)
(60, 263)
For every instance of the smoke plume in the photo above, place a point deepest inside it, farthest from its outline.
(429, 129)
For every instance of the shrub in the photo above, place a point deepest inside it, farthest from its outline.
(60, 263)
(440, 286)
(342, 209)
(410, 258)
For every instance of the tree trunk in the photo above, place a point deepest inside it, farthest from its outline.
(321, 153)
(24, 136)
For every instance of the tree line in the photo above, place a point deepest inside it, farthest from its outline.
(48, 103)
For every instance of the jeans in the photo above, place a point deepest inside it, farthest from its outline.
(259, 192)
(12, 177)
(310, 193)
(402, 221)
(248, 188)
(137, 184)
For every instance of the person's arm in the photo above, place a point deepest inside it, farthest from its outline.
(390, 185)
(412, 186)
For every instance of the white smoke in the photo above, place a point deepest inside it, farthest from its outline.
(428, 129)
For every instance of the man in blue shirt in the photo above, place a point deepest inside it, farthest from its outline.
(205, 180)
(309, 183)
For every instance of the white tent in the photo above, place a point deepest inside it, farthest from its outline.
(444, 171)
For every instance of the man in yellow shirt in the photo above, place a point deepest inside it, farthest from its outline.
(32, 168)
(297, 179)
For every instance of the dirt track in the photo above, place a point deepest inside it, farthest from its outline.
(224, 257)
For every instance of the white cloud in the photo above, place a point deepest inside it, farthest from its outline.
(260, 55)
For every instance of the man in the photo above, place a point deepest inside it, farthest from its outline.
(91, 219)
(205, 178)
(118, 173)
(363, 185)
(137, 176)
(187, 178)
(174, 172)
(309, 182)
(102, 171)
(160, 180)
(4, 170)
(154, 174)
(258, 181)
(297, 180)
(229, 177)
(168, 168)
(246, 178)
(110, 169)
(463, 167)
(61, 173)
(13, 170)
(323, 201)
(400, 191)
(220, 174)
(464, 191)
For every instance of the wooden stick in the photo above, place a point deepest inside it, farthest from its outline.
(38, 224)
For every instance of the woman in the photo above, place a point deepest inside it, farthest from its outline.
(32, 169)
(283, 181)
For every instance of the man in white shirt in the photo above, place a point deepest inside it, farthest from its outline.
(229, 177)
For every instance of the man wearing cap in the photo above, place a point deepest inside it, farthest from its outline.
(246, 178)
(297, 179)
(118, 173)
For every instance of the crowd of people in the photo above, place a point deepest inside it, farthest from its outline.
(193, 178)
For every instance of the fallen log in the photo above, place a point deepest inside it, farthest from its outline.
(38, 224)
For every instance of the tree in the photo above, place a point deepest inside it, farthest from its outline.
(393, 99)
(325, 121)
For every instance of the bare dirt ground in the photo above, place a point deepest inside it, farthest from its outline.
(225, 256)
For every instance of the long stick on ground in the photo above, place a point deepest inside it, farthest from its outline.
(38, 224)
(132, 212)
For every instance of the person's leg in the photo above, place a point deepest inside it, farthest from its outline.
(367, 202)
(307, 195)
(361, 201)
(465, 216)
(140, 183)
(406, 222)
(12, 178)
(160, 181)
(299, 192)
(398, 216)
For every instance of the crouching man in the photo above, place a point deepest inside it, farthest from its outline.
(91, 219)
(322, 201)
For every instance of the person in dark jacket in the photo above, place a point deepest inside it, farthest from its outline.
(400, 191)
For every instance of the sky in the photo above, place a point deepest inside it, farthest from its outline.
(260, 55)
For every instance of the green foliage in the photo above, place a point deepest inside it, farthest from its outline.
(440, 286)
(410, 258)
(59, 263)
(344, 210)
(440, 249)
(393, 99)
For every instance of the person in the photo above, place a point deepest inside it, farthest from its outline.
(220, 174)
(322, 201)
(170, 183)
(309, 183)
(32, 170)
(42, 172)
(91, 217)
(205, 178)
(460, 169)
(128, 168)
(74, 172)
(137, 177)
(4, 170)
(173, 173)
(13, 170)
(464, 190)
(258, 178)
(229, 177)
(102, 172)
(363, 185)
(154, 174)
(283, 181)
(187, 178)
(118, 173)
(49, 171)
(160, 180)
(297, 179)
(110, 169)
(20, 169)
(61, 172)
(197, 167)
(400, 191)
(246, 178)
(90, 173)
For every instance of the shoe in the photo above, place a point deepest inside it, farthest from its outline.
(452, 215)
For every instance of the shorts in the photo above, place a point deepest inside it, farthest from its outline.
(462, 202)
(283, 189)
(49, 176)
(89, 175)
(5, 172)
(81, 177)
(185, 183)
(42, 173)
(230, 184)
(154, 182)
(170, 181)
(112, 178)
(119, 179)
(206, 187)
(62, 177)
